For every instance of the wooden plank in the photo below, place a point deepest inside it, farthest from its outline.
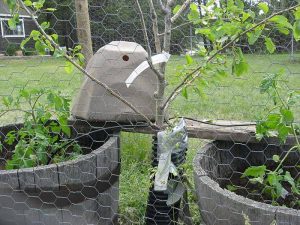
(237, 131)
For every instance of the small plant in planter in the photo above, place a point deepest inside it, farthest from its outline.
(43, 138)
(276, 183)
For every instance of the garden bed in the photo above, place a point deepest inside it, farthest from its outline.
(222, 163)
(77, 192)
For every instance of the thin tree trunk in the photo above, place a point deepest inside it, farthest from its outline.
(205, 41)
(83, 28)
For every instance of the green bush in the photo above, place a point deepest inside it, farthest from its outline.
(11, 49)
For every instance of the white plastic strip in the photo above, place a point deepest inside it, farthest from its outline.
(160, 58)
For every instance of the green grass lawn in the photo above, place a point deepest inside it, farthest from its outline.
(235, 98)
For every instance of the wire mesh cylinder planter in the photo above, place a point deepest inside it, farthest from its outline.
(220, 163)
(77, 192)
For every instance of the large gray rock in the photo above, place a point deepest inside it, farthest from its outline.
(113, 64)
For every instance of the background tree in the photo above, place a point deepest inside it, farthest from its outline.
(83, 28)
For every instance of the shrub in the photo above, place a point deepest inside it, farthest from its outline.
(11, 49)
(44, 138)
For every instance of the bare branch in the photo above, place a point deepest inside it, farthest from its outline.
(71, 60)
(155, 27)
(191, 77)
(170, 3)
(160, 75)
(147, 42)
(181, 10)
(162, 7)
(168, 29)
(13, 110)
(174, 28)
(146, 38)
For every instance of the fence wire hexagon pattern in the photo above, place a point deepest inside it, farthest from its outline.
(156, 112)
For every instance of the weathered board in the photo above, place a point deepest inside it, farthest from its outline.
(223, 130)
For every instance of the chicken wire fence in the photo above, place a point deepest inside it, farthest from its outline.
(72, 153)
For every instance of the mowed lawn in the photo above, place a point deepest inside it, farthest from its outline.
(234, 98)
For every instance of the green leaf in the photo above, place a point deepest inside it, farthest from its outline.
(189, 59)
(10, 137)
(77, 48)
(81, 59)
(287, 116)
(283, 30)
(261, 130)
(184, 92)
(255, 171)
(245, 16)
(240, 68)
(209, 33)
(24, 42)
(28, 3)
(264, 7)
(296, 30)
(194, 7)
(69, 67)
(273, 120)
(54, 37)
(239, 64)
(231, 188)
(64, 126)
(176, 9)
(281, 21)
(25, 94)
(253, 36)
(240, 4)
(270, 45)
(283, 132)
(273, 179)
(39, 4)
(287, 177)
(269, 81)
(12, 23)
(7, 101)
(40, 47)
(45, 25)
(35, 35)
(276, 158)
(194, 14)
(11, 4)
(59, 53)
(297, 13)
(202, 51)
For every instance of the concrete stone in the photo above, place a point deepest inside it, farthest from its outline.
(112, 65)
(219, 206)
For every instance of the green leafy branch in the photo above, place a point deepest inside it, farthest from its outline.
(280, 122)
(224, 28)
(43, 138)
